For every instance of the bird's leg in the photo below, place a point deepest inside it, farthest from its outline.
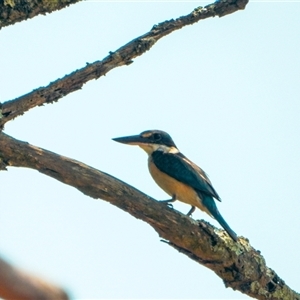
(169, 200)
(191, 211)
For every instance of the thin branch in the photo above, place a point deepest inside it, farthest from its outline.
(18, 285)
(239, 265)
(13, 11)
(123, 56)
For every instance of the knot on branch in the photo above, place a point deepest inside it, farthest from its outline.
(143, 45)
(226, 7)
(164, 26)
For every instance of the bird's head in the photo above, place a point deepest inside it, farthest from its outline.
(150, 140)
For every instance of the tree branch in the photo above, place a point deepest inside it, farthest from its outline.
(17, 285)
(13, 11)
(123, 56)
(239, 265)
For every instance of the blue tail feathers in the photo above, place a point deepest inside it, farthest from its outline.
(211, 206)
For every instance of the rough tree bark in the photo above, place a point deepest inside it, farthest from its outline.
(13, 11)
(239, 265)
(123, 56)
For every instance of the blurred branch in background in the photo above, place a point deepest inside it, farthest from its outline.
(18, 285)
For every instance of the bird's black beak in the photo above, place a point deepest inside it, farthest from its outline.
(130, 140)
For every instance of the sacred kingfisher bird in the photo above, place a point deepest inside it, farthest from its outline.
(177, 175)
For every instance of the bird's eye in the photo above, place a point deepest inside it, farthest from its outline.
(156, 136)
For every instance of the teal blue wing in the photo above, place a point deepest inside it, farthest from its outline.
(182, 169)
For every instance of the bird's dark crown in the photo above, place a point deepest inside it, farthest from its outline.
(157, 137)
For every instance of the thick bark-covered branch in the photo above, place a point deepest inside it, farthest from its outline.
(239, 265)
(18, 285)
(123, 56)
(13, 11)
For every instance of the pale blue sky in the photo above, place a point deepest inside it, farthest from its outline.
(226, 89)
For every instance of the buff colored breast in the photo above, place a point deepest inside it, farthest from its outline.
(171, 186)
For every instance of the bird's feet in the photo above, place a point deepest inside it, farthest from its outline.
(191, 211)
(169, 200)
(168, 204)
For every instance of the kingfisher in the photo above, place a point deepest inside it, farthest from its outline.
(179, 177)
